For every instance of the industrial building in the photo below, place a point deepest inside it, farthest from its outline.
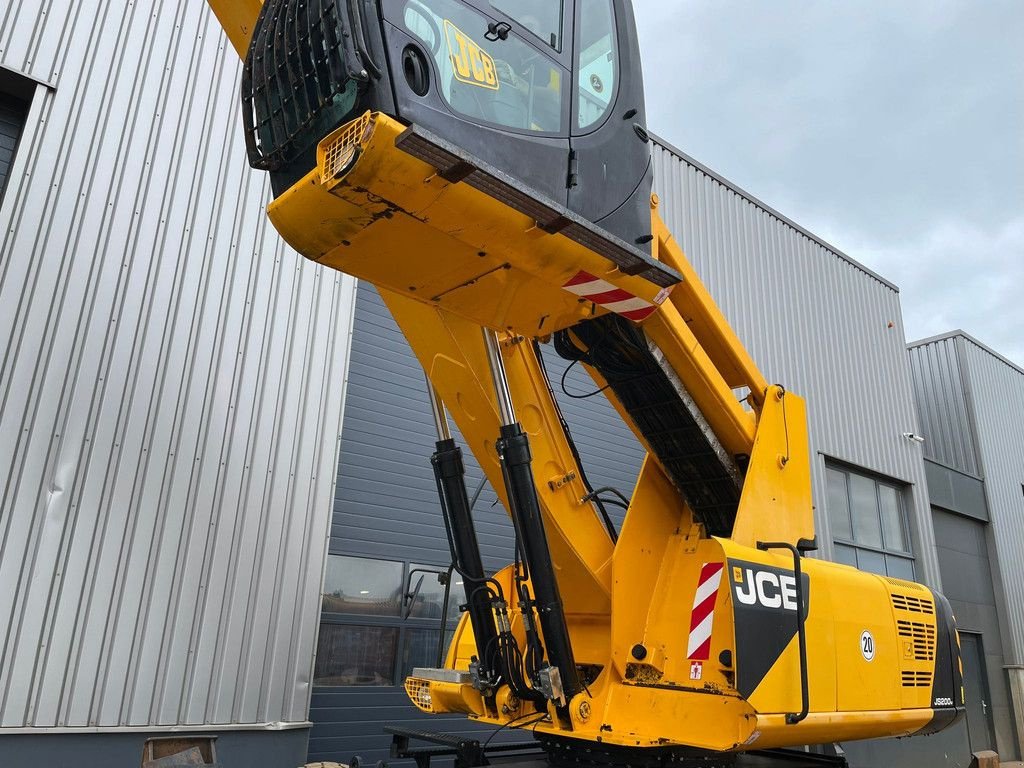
(218, 521)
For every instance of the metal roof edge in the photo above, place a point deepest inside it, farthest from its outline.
(959, 332)
(156, 730)
(768, 209)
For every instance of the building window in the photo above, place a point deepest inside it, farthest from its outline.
(362, 586)
(179, 750)
(12, 120)
(869, 523)
(355, 655)
(381, 619)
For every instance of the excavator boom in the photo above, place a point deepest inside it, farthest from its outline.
(485, 165)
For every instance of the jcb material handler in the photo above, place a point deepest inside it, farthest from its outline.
(486, 165)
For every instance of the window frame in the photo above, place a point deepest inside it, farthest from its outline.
(574, 69)
(567, 12)
(878, 481)
(403, 625)
(21, 88)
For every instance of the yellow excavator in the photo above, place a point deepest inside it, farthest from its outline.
(486, 165)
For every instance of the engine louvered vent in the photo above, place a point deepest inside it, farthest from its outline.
(905, 584)
(916, 679)
(922, 637)
(913, 604)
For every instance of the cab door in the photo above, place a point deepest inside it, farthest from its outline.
(498, 80)
(611, 156)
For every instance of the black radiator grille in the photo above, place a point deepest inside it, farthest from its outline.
(300, 79)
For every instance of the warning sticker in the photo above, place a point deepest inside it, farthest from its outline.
(697, 670)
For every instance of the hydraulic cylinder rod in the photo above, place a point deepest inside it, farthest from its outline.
(514, 452)
(450, 472)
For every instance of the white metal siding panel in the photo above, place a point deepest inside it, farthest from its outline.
(816, 322)
(942, 404)
(171, 388)
(996, 395)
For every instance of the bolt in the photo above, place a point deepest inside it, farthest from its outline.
(584, 710)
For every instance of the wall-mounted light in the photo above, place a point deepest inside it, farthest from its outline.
(912, 436)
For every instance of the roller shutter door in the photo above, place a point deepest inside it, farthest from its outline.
(387, 524)
(962, 548)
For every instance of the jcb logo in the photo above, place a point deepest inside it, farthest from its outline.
(771, 590)
(472, 64)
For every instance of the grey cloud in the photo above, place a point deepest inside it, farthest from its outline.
(895, 130)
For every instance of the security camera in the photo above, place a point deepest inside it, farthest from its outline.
(912, 436)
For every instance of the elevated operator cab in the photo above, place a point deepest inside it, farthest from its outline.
(535, 88)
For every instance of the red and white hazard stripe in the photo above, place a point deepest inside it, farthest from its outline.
(613, 299)
(702, 616)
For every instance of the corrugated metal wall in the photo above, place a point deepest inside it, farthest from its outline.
(815, 321)
(170, 389)
(942, 403)
(996, 396)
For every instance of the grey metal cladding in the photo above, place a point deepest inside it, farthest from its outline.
(942, 403)
(995, 390)
(170, 389)
(385, 502)
(956, 491)
(815, 321)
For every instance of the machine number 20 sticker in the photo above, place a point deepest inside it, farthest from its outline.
(867, 645)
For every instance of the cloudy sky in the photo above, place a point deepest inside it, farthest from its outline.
(893, 130)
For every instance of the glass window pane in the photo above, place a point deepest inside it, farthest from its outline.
(838, 505)
(846, 555)
(360, 585)
(595, 70)
(430, 599)
(899, 567)
(505, 82)
(421, 649)
(542, 17)
(350, 655)
(871, 561)
(864, 508)
(892, 518)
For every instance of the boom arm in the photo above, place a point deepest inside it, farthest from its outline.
(598, 640)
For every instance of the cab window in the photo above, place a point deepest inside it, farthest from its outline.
(542, 17)
(597, 67)
(504, 82)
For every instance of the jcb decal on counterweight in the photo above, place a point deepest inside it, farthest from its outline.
(765, 603)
